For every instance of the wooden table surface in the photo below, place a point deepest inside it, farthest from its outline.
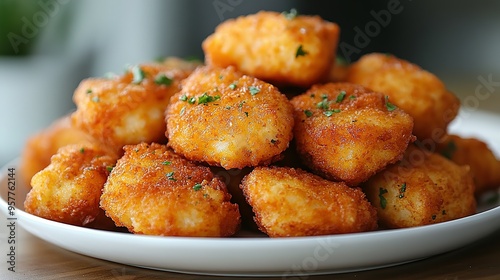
(37, 259)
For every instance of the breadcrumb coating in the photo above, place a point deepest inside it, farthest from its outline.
(154, 191)
(292, 202)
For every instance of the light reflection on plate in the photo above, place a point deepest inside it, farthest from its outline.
(249, 255)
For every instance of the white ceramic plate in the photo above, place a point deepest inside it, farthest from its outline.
(262, 256)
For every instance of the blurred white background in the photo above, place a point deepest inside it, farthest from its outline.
(49, 46)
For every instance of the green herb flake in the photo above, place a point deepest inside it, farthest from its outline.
(197, 187)
(323, 104)
(300, 51)
(138, 74)
(352, 97)
(162, 79)
(253, 90)
(192, 100)
(109, 168)
(82, 150)
(340, 97)
(205, 98)
(329, 113)
(402, 190)
(290, 14)
(89, 91)
(183, 97)
(383, 201)
(449, 150)
(170, 176)
(390, 107)
(232, 86)
(308, 113)
(166, 162)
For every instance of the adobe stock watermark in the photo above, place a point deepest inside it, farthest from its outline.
(31, 27)
(321, 253)
(223, 6)
(363, 36)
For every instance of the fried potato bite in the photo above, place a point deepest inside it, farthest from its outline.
(293, 202)
(154, 191)
(41, 146)
(127, 109)
(228, 119)
(424, 188)
(68, 190)
(346, 132)
(418, 92)
(475, 153)
(284, 49)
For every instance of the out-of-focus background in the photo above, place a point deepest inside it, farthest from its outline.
(48, 46)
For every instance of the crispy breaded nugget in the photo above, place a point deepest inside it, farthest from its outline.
(424, 188)
(293, 202)
(347, 132)
(284, 49)
(475, 153)
(153, 191)
(69, 189)
(418, 92)
(228, 119)
(41, 146)
(128, 109)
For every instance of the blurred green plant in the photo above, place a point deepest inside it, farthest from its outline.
(22, 21)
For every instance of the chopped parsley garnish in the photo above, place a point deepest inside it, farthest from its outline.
(383, 201)
(205, 98)
(253, 90)
(183, 97)
(308, 113)
(340, 97)
(192, 100)
(352, 97)
(449, 150)
(138, 74)
(300, 52)
(232, 86)
(329, 113)
(109, 168)
(166, 162)
(390, 107)
(95, 99)
(89, 91)
(290, 14)
(162, 79)
(82, 150)
(170, 176)
(197, 187)
(323, 104)
(402, 190)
